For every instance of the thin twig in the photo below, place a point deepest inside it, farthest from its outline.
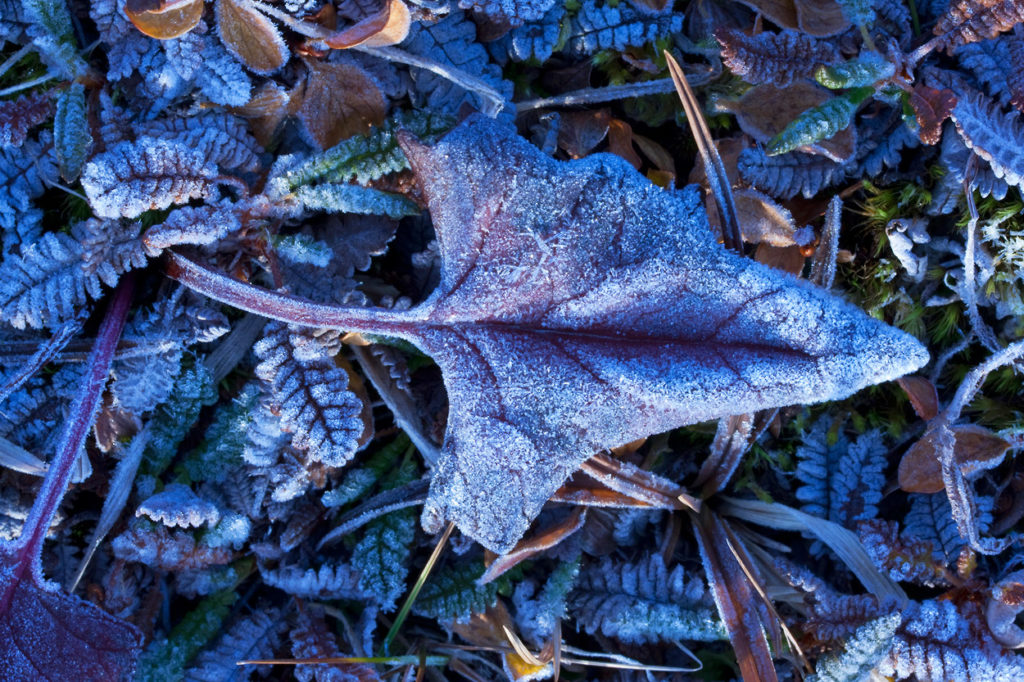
(609, 93)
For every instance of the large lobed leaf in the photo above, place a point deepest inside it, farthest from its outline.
(581, 307)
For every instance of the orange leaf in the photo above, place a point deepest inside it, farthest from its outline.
(975, 449)
(251, 36)
(931, 107)
(164, 20)
(389, 26)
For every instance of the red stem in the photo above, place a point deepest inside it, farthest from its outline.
(28, 548)
(292, 309)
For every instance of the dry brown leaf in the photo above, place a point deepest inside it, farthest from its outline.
(580, 131)
(164, 20)
(819, 18)
(786, 258)
(763, 220)
(489, 630)
(337, 101)
(546, 538)
(976, 449)
(658, 155)
(251, 36)
(765, 111)
(265, 111)
(620, 142)
(922, 394)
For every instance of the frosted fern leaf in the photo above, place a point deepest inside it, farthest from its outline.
(903, 557)
(451, 41)
(537, 39)
(775, 58)
(455, 593)
(24, 174)
(880, 141)
(618, 28)
(786, 175)
(955, 157)
(986, 61)
(109, 249)
(969, 21)
(197, 225)
(72, 139)
(841, 482)
(996, 137)
(18, 116)
(219, 137)
(644, 602)
(310, 393)
(222, 78)
(163, 549)
(45, 285)
(253, 637)
(339, 581)
(539, 611)
(382, 556)
(145, 174)
(509, 12)
(931, 519)
(312, 639)
(861, 652)
(354, 199)
(178, 506)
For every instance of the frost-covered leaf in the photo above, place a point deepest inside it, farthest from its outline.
(46, 285)
(172, 420)
(538, 39)
(71, 135)
(18, 116)
(861, 652)
(509, 12)
(902, 556)
(454, 593)
(452, 42)
(866, 69)
(382, 555)
(354, 199)
(625, 295)
(987, 61)
(252, 637)
(24, 174)
(311, 639)
(166, 657)
(164, 20)
(968, 21)
(251, 37)
(339, 581)
(820, 123)
(163, 549)
(221, 77)
(54, 36)
(618, 27)
(198, 225)
(311, 394)
(774, 58)
(644, 602)
(842, 481)
(787, 175)
(145, 174)
(540, 611)
(178, 505)
(993, 135)
(221, 138)
(931, 519)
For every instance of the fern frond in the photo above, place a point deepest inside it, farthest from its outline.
(382, 555)
(166, 657)
(903, 557)
(310, 393)
(538, 612)
(71, 136)
(197, 225)
(220, 138)
(222, 79)
(311, 639)
(454, 593)
(24, 175)
(340, 581)
(172, 420)
(819, 123)
(509, 12)
(774, 58)
(45, 285)
(163, 549)
(994, 136)
(931, 519)
(336, 198)
(644, 602)
(253, 637)
(537, 40)
(618, 27)
(986, 61)
(787, 175)
(18, 116)
(146, 174)
(861, 652)
(53, 35)
(968, 21)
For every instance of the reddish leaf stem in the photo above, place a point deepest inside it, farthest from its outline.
(291, 309)
(28, 548)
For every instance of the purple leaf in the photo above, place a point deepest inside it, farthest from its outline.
(580, 308)
(44, 633)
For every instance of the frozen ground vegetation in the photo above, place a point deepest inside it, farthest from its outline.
(602, 340)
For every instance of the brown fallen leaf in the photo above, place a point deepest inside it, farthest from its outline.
(819, 18)
(580, 131)
(387, 24)
(330, 118)
(164, 20)
(975, 449)
(923, 396)
(251, 36)
(765, 110)
(580, 308)
(544, 539)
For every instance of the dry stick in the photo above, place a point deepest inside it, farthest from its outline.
(608, 93)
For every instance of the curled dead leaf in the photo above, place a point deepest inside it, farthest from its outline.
(931, 108)
(164, 20)
(387, 26)
(976, 449)
(922, 394)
